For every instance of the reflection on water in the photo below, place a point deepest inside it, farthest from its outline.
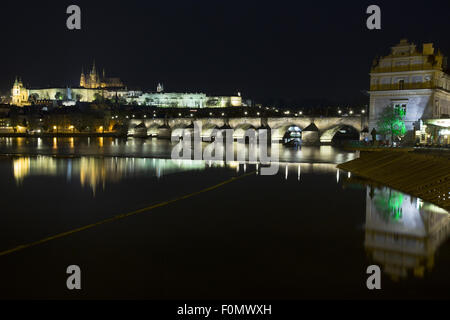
(153, 148)
(96, 171)
(403, 233)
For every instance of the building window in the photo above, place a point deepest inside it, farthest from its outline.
(401, 84)
(400, 109)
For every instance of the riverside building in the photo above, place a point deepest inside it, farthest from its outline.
(418, 82)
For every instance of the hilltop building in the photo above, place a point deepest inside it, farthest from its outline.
(22, 96)
(187, 100)
(417, 82)
(93, 80)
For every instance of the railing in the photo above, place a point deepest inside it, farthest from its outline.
(410, 67)
(403, 86)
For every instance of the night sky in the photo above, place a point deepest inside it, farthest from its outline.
(297, 51)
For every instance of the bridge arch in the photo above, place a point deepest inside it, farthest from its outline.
(279, 132)
(138, 130)
(152, 129)
(328, 135)
(208, 131)
(240, 129)
(181, 129)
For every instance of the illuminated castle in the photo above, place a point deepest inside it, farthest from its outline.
(92, 80)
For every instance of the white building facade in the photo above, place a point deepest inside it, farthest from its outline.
(416, 81)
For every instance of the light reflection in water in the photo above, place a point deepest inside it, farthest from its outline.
(403, 233)
(160, 148)
(96, 171)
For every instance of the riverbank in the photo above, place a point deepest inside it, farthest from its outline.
(62, 134)
(425, 175)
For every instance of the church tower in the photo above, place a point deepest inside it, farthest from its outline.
(93, 77)
(19, 96)
(159, 88)
(82, 79)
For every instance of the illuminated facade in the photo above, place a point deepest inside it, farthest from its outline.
(412, 80)
(19, 94)
(185, 100)
(71, 94)
(92, 86)
(172, 99)
(93, 80)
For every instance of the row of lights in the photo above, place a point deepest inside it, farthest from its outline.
(245, 113)
(71, 127)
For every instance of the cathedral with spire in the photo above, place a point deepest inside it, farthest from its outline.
(93, 80)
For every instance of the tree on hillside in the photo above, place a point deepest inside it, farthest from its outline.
(391, 122)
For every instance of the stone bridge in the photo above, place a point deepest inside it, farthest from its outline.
(323, 128)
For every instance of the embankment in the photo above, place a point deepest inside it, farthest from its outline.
(422, 174)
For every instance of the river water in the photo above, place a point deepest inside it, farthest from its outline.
(309, 231)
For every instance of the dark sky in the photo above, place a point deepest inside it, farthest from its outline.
(295, 50)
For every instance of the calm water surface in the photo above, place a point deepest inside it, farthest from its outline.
(309, 231)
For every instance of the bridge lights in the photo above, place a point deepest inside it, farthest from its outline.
(245, 112)
(300, 113)
(363, 111)
(223, 114)
(210, 114)
(179, 114)
(351, 112)
(339, 111)
(257, 113)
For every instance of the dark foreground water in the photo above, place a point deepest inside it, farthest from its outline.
(310, 231)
